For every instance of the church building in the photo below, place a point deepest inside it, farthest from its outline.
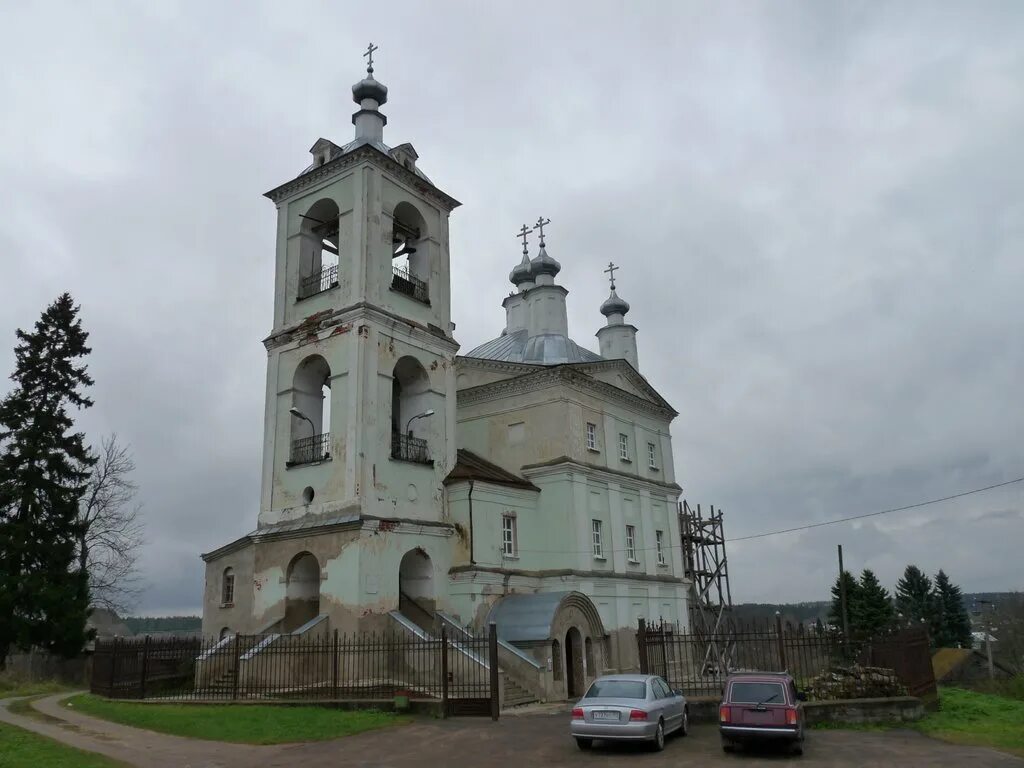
(528, 482)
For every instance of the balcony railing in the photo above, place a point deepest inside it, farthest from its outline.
(409, 448)
(310, 450)
(322, 281)
(404, 282)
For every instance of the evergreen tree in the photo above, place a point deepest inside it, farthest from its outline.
(835, 613)
(914, 597)
(953, 621)
(44, 467)
(874, 606)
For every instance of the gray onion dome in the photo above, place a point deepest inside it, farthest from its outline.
(613, 305)
(369, 88)
(522, 273)
(543, 264)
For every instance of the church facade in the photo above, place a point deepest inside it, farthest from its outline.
(528, 482)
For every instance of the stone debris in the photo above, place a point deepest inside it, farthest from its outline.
(854, 682)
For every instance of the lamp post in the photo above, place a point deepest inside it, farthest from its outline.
(300, 415)
(425, 414)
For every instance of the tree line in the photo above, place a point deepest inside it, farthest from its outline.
(939, 604)
(69, 527)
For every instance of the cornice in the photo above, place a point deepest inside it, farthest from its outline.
(350, 159)
(334, 321)
(566, 463)
(503, 366)
(554, 572)
(566, 374)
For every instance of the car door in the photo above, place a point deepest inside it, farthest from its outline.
(672, 708)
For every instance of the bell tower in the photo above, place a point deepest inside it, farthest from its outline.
(360, 404)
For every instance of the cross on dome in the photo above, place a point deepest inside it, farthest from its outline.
(369, 57)
(524, 233)
(611, 273)
(541, 223)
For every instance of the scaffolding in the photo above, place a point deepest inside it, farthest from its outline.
(710, 603)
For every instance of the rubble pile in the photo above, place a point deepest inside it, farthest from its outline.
(854, 682)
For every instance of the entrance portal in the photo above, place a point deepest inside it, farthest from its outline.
(416, 588)
(302, 597)
(574, 682)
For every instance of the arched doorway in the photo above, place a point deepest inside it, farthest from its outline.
(574, 682)
(416, 587)
(302, 596)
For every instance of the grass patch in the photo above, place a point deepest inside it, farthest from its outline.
(23, 749)
(10, 687)
(242, 724)
(977, 719)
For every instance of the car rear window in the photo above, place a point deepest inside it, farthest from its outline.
(757, 693)
(617, 689)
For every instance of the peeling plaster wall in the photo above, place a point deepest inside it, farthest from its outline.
(237, 616)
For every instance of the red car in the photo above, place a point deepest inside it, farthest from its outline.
(761, 706)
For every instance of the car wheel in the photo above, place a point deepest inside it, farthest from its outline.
(659, 737)
(584, 744)
(727, 745)
(797, 747)
(685, 727)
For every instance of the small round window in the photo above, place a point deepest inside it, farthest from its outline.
(307, 495)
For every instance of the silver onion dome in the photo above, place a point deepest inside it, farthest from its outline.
(522, 272)
(542, 264)
(614, 305)
(369, 88)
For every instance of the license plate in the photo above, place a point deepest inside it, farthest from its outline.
(606, 715)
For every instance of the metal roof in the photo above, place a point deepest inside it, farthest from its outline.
(522, 618)
(544, 349)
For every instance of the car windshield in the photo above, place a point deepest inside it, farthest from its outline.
(757, 693)
(617, 689)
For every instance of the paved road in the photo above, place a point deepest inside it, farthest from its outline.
(527, 740)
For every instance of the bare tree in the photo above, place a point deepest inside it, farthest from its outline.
(111, 531)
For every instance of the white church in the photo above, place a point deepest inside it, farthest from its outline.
(528, 482)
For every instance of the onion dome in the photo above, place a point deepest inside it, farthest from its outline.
(522, 273)
(542, 264)
(369, 88)
(614, 305)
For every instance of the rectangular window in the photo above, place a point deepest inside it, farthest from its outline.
(591, 436)
(652, 456)
(631, 543)
(623, 447)
(659, 541)
(509, 540)
(596, 534)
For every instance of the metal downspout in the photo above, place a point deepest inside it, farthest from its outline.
(472, 560)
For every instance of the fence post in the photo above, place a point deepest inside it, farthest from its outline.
(145, 665)
(492, 646)
(781, 640)
(113, 665)
(238, 664)
(664, 651)
(444, 670)
(334, 664)
(641, 642)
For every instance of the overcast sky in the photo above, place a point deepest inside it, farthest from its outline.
(818, 209)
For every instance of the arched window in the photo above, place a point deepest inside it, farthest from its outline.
(319, 248)
(411, 253)
(311, 411)
(410, 411)
(227, 587)
(224, 632)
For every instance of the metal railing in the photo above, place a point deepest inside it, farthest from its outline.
(328, 666)
(404, 282)
(309, 450)
(823, 664)
(409, 448)
(319, 282)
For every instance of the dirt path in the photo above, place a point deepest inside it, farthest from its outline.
(530, 739)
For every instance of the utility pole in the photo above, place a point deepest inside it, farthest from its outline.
(842, 596)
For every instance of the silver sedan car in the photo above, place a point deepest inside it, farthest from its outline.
(629, 707)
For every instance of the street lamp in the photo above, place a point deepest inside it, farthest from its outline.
(300, 415)
(428, 412)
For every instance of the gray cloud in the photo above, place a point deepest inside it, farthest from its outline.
(818, 210)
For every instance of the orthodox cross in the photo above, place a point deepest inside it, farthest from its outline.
(541, 223)
(524, 233)
(369, 56)
(611, 273)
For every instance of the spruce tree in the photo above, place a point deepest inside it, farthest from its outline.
(44, 467)
(914, 597)
(835, 614)
(874, 606)
(954, 623)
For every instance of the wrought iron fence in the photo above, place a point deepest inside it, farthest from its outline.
(403, 281)
(458, 673)
(319, 282)
(409, 448)
(308, 450)
(823, 664)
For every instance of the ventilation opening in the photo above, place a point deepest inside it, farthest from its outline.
(307, 495)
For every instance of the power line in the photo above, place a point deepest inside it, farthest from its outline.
(875, 514)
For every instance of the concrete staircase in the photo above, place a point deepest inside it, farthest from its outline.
(515, 694)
